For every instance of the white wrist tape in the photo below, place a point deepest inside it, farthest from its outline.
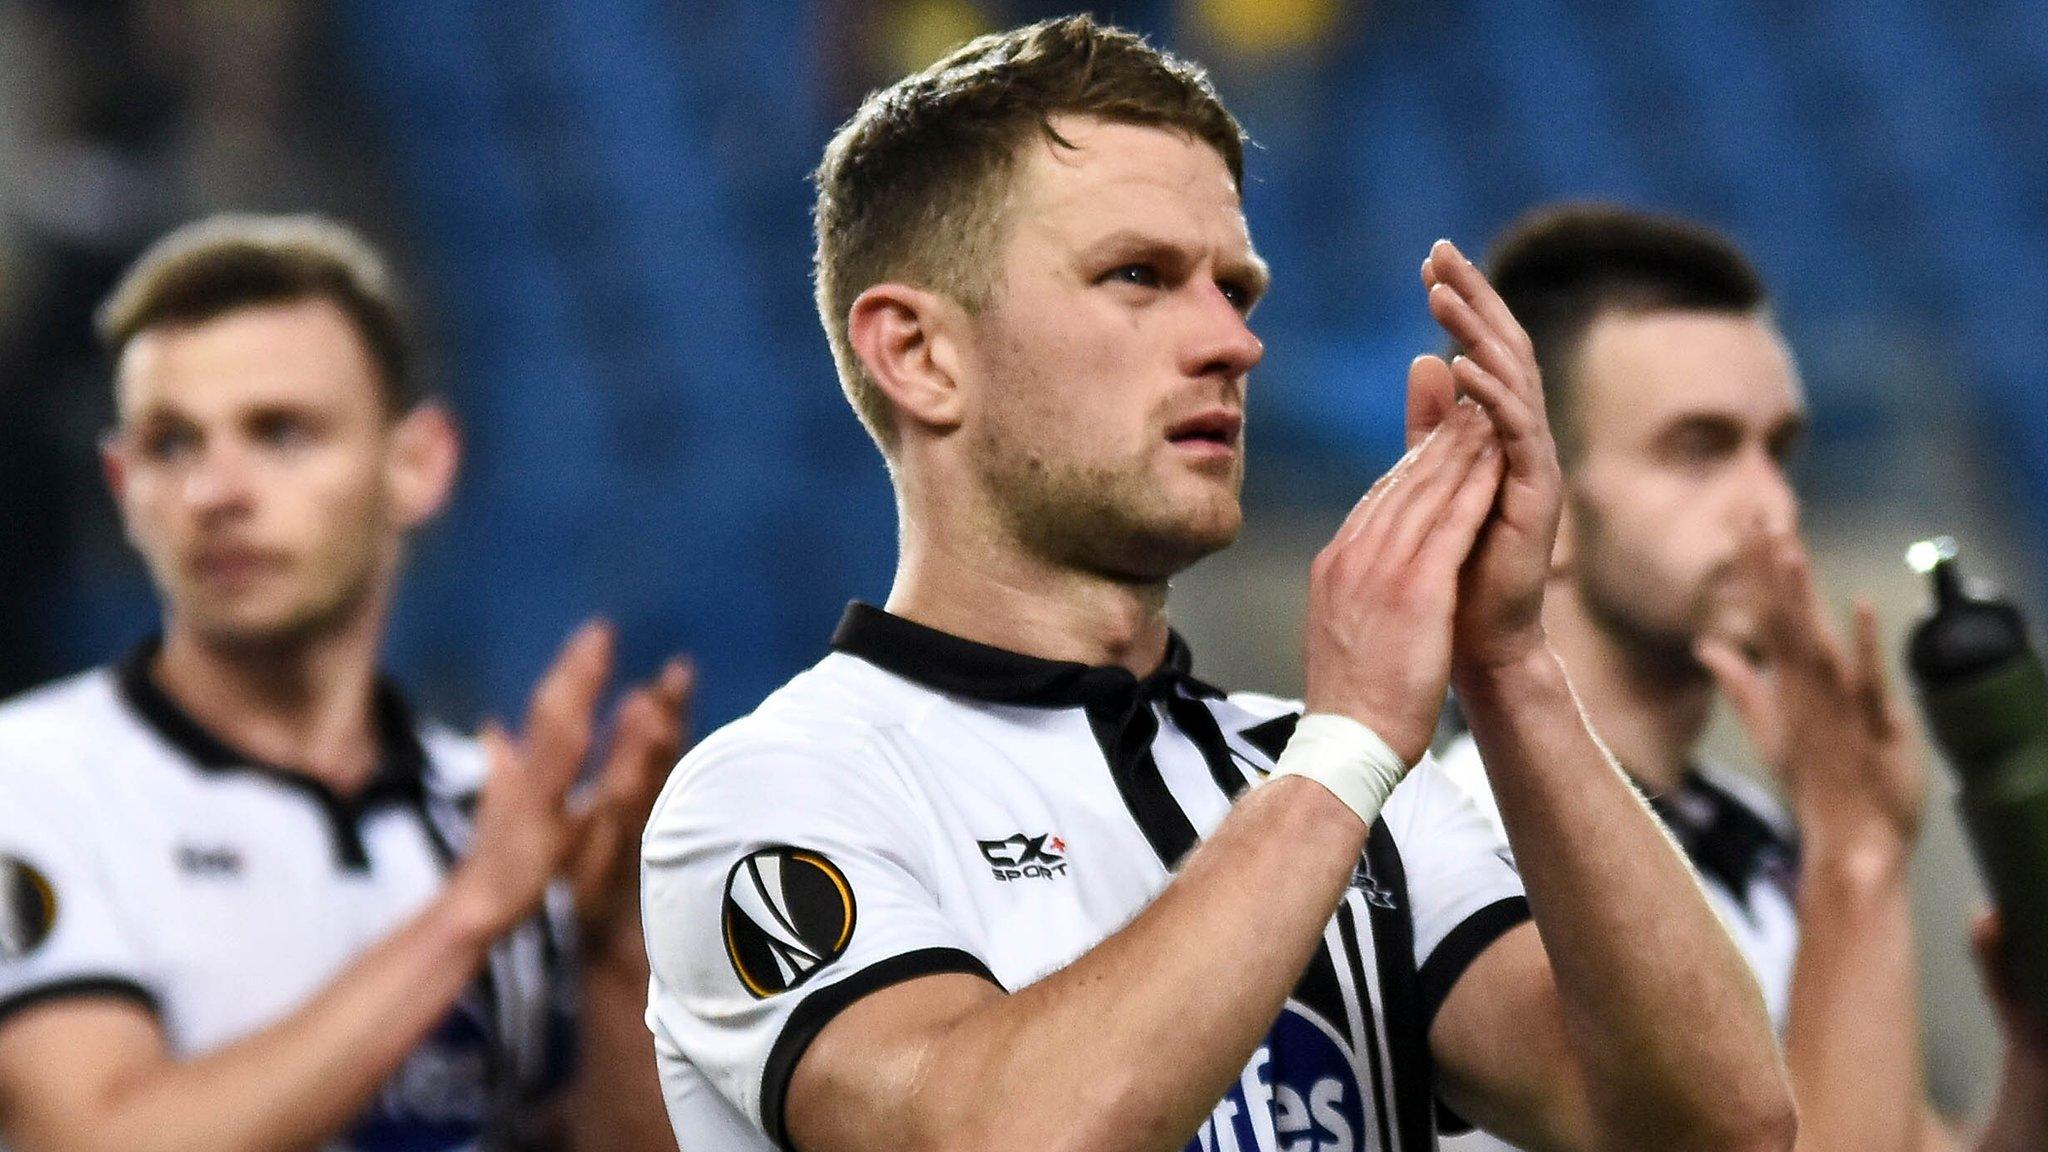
(1346, 757)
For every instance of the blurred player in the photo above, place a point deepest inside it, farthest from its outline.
(1678, 573)
(254, 903)
(977, 880)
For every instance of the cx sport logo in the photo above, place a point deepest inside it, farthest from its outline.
(1021, 857)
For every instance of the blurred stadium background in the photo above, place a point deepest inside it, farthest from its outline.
(601, 206)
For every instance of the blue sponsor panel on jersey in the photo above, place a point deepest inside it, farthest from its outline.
(440, 1098)
(1299, 1093)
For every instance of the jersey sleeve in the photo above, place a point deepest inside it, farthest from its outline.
(781, 883)
(61, 932)
(1464, 890)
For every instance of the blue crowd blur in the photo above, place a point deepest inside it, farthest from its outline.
(604, 203)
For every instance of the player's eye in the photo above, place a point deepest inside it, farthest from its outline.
(281, 430)
(1785, 446)
(1698, 443)
(1138, 275)
(166, 445)
(1239, 294)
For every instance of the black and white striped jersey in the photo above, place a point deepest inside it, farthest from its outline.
(1741, 843)
(916, 803)
(141, 857)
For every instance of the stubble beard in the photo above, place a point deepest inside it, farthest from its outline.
(317, 609)
(1655, 645)
(1113, 520)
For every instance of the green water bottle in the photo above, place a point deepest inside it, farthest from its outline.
(1986, 699)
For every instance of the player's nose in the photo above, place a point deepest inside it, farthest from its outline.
(1223, 343)
(219, 481)
(1772, 501)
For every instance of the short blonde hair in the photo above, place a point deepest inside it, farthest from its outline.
(913, 187)
(225, 263)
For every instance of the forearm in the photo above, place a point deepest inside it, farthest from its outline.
(616, 1101)
(1131, 1045)
(1853, 1038)
(1669, 1027)
(304, 1079)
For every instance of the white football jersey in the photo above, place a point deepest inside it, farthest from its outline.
(1742, 844)
(916, 803)
(142, 858)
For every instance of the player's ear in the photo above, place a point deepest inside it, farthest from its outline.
(907, 339)
(114, 463)
(420, 463)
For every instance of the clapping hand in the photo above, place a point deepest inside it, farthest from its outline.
(1500, 594)
(528, 830)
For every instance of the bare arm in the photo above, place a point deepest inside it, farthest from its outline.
(1671, 1041)
(1826, 721)
(91, 1075)
(1671, 1045)
(1131, 1046)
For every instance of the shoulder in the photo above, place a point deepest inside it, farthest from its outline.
(48, 733)
(69, 707)
(837, 730)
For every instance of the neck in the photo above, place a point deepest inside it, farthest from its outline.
(1648, 713)
(994, 591)
(304, 705)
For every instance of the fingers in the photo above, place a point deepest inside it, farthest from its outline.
(1424, 455)
(1478, 338)
(1432, 393)
(1749, 692)
(1873, 682)
(1447, 266)
(647, 738)
(1523, 433)
(1405, 512)
(1455, 533)
(559, 716)
(1498, 369)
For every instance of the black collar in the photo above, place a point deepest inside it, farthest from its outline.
(1725, 838)
(401, 760)
(950, 664)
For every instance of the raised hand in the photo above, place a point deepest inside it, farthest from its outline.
(649, 732)
(1823, 718)
(1500, 608)
(524, 828)
(1382, 593)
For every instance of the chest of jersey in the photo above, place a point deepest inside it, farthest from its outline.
(1040, 853)
(243, 903)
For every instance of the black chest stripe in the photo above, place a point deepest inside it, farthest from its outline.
(1125, 734)
(1320, 991)
(1393, 938)
(1194, 718)
(1347, 929)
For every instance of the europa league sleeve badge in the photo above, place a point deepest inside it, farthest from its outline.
(28, 908)
(788, 912)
